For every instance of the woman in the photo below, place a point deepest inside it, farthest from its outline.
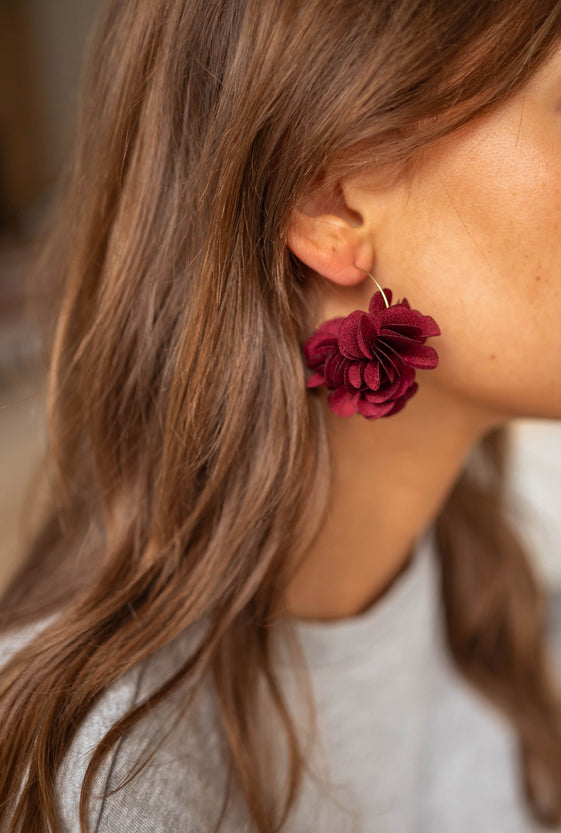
(230, 617)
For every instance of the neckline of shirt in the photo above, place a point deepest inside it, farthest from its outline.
(403, 607)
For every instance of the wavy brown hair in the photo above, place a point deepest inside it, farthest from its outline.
(190, 465)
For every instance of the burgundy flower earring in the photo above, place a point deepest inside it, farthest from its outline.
(368, 359)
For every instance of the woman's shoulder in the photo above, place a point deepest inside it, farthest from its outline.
(182, 782)
(179, 746)
(115, 702)
(11, 641)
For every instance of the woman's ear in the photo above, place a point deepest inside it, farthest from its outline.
(331, 237)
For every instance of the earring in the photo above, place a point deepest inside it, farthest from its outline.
(368, 359)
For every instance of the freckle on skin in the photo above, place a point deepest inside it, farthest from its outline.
(492, 355)
(538, 277)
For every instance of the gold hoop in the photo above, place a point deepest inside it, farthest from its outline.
(377, 284)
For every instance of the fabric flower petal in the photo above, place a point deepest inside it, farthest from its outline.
(421, 355)
(398, 316)
(367, 360)
(349, 335)
(318, 347)
(355, 374)
(343, 403)
(372, 375)
(377, 303)
(315, 380)
(334, 373)
(366, 336)
(399, 403)
(387, 358)
(405, 380)
(430, 327)
(373, 410)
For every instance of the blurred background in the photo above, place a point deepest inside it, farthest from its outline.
(42, 43)
(41, 48)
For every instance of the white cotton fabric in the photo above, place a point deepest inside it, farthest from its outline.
(408, 745)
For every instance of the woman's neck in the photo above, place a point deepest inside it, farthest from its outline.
(390, 477)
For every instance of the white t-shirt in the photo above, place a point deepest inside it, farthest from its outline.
(405, 743)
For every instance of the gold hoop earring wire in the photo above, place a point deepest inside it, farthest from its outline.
(377, 284)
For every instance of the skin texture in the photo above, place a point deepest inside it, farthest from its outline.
(472, 239)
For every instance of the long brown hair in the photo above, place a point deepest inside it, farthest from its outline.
(190, 465)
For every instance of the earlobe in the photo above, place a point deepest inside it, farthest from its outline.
(331, 246)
